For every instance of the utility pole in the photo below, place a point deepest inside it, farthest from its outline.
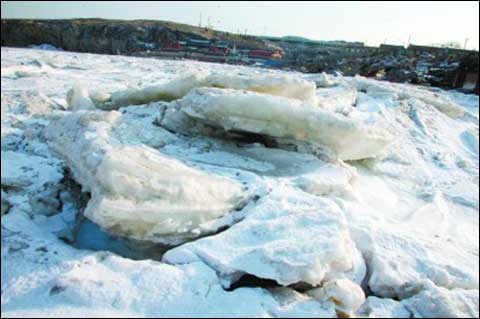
(465, 45)
(409, 40)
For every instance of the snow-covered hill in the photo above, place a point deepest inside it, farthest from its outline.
(150, 188)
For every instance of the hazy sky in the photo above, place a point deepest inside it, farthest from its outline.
(370, 22)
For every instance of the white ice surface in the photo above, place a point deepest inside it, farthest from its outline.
(289, 237)
(403, 225)
(42, 276)
(439, 302)
(32, 181)
(375, 307)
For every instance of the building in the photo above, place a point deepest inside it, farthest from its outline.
(266, 54)
(417, 50)
(391, 48)
(467, 78)
(198, 43)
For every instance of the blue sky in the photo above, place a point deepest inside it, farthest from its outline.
(367, 21)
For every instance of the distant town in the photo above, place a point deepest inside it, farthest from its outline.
(445, 67)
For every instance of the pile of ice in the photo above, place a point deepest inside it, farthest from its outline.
(257, 193)
(284, 108)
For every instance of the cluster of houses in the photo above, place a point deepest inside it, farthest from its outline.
(465, 62)
(461, 66)
(219, 48)
(438, 66)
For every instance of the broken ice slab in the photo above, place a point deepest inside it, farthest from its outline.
(288, 236)
(136, 191)
(284, 118)
(280, 85)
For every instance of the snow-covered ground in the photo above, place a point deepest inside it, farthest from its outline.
(184, 189)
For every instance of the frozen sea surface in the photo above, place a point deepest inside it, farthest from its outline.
(185, 189)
